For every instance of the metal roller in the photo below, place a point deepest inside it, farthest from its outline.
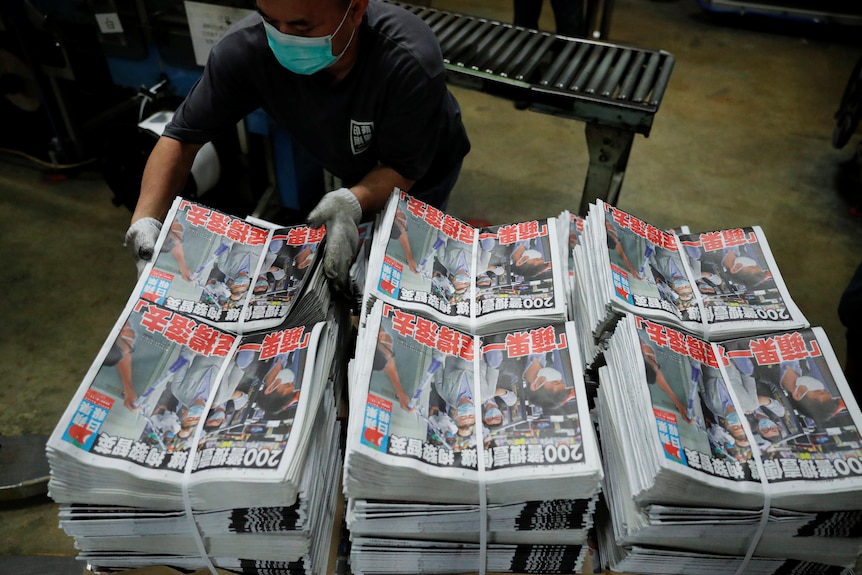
(617, 86)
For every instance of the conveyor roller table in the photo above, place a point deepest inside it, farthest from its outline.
(615, 89)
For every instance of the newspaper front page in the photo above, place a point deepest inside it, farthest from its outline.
(474, 279)
(717, 284)
(714, 407)
(438, 404)
(163, 381)
(232, 273)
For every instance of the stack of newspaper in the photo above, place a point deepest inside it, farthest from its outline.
(556, 522)
(744, 453)
(473, 279)
(716, 284)
(283, 538)
(207, 400)
(590, 347)
(467, 450)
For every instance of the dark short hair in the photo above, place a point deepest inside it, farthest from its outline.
(273, 404)
(530, 270)
(546, 398)
(817, 410)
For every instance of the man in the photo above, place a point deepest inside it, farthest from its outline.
(746, 271)
(655, 375)
(811, 396)
(360, 85)
(456, 387)
(120, 356)
(547, 387)
(279, 390)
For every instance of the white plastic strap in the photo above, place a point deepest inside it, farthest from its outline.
(758, 462)
(479, 431)
(187, 471)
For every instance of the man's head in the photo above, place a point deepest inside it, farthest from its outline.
(465, 416)
(547, 388)
(492, 416)
(278, 393)
(261, 285)
(810, 387)
(683, 289)
(529, 263)
(460, 281)
(820, 407)
(282, 384)
(239, 285)
(768, 429)
(215, 419)
(747, 271)
(734, 425)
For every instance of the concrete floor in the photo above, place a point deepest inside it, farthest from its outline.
(743, 137)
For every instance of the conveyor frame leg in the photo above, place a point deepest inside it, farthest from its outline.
(609, 150)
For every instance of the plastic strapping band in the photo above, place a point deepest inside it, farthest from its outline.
(479, 431)
(756, 458)
(187, 471)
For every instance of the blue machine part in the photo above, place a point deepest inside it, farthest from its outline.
(294, 169)
(151, 70)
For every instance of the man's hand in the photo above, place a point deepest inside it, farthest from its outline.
(141, 238)
(341, 213)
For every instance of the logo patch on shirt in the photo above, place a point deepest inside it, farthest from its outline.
(360, 136)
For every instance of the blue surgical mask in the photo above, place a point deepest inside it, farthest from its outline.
(303, 55)
(493, 412)
(465, 410)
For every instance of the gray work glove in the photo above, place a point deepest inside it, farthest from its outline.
(341, 213)
(141, 238)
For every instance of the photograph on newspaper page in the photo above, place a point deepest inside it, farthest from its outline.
(163, 379)
(520, 272)
(226, 271)
(796, 400)
(785, 387)
(433, 391)
(717, 284)
(739, 282)
(646, 268)
(470, 278)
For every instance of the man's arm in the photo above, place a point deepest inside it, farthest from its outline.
(164, 178)
(375, 188)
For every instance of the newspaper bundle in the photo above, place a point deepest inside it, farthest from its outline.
(716, 285)
(371, 555)
(474, 279)
(434, 405)
(207, 396)
(278, 538)
(747, 450)
(476, 442)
